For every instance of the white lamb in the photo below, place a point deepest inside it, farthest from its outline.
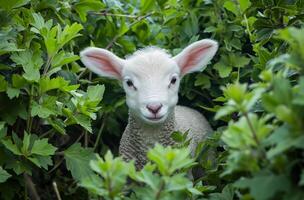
(151, 78)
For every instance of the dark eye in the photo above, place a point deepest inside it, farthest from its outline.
(173, 81)
(130, 83)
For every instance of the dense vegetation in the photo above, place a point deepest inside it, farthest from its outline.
(55, 115)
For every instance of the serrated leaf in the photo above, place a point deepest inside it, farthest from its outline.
(84, 6)
(47, 84)
(67, 34)
(223, 69)
(31, 63)
(95, 93)
(41, 161)
(4, 175)
(43, 148)
(10, 146)
(77, 161)
(6, 47)
(12, 92)
(41, 110)
(264, 187)
(63, 58)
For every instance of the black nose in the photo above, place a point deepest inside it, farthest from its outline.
(154, 107)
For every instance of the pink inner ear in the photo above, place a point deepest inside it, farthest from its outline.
(105, 64)
(193, 58)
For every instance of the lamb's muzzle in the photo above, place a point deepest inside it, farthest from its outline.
(151, 78)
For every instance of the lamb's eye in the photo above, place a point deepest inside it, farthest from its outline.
(130, 83)
(173, 80)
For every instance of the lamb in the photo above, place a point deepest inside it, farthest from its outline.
(151, 79)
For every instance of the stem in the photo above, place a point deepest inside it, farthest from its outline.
(47, 65)
(105, 13)
(57, 165)
(112, 197)
(162, 186)
(86, 139)
(46, 133)
(252, 129)
(31, 187)
(29, 121)
(100, 132)
(56, 190)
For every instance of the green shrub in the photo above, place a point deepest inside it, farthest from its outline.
(55, 115)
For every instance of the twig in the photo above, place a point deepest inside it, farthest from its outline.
(162, 186)
(86, 139)
(31, 187)
(100, 132)
(105, 13)
(47, 65)
(56, 190)
(57, 165)
(255, 137)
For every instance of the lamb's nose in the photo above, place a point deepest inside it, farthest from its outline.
(154, 107)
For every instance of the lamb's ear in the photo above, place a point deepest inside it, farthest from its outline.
(102, 62)
(196, 56)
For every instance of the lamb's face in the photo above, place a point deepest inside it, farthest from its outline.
(150, 77)
(151, 80)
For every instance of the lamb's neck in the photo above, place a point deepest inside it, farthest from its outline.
(155, 132)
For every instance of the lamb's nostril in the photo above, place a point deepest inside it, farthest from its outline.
(154, 107)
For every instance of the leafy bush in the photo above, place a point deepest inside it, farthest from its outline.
(55, 115)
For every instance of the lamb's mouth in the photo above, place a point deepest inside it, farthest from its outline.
(155, 118)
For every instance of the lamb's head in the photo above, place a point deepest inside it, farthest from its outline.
(150, 77)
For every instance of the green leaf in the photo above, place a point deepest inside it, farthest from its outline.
(3, 84)
(8, 5)
(239, 135)
(226, 194)
(67, 34)
(41, 161)
(18, 81)
(26, 144)
(282, 140)
(77, 161)
(47, 84)
(264, 186)
(84, 6)
(63, 58)
(146, 5)
(223, 69)
(231, 6)
(6, 47)
(10, 146)
(95, 93)
(43, 110)
(12, 92)
(43, 148)
(244, 4)
(3, 175)
(31, 63)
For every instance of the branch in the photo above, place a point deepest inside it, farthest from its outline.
(31, 186)
(56, 190)
(105, 13)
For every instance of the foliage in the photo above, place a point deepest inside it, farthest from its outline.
(55, 115)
